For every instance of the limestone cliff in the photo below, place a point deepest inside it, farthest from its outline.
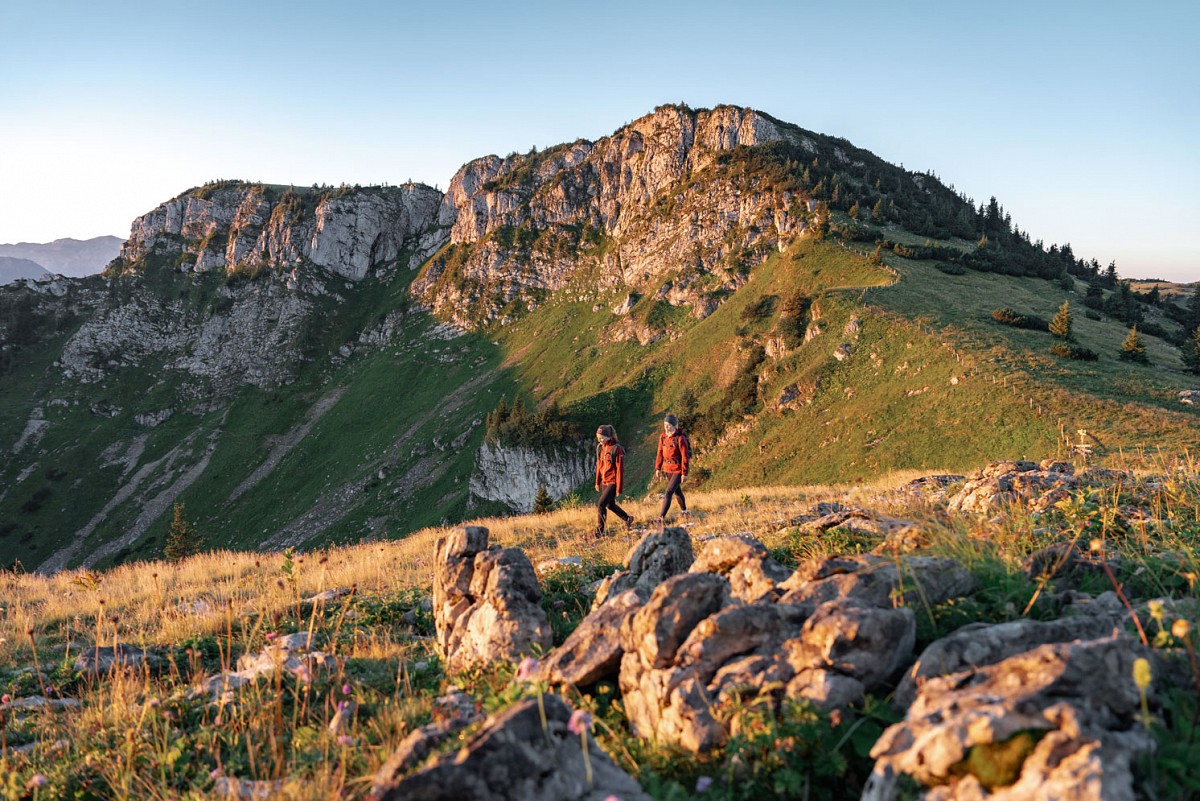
(512, 474)
(651, 202)
(231, 225)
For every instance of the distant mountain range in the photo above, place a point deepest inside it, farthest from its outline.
(12, 269)
(74, 257)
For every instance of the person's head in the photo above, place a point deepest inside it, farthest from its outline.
(670, 424)
(606, 434)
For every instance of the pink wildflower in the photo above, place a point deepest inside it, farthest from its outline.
(580, 722)
(216, 773)
(304, 674)
(347, 740)
(4, 699)
(527, 670)
(270, 636)
(37, 780)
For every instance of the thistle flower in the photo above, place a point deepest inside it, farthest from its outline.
(4, 699)
(36, 781)
(527, 670)
(346, 740)
(345, 689)
(580, 722)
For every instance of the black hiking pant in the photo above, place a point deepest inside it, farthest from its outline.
(608, 500)
(673, 489)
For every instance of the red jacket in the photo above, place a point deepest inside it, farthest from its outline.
(674, 451)
(610, 465)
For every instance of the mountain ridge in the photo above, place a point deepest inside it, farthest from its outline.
(309, 365)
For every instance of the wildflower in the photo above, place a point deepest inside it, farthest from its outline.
(1096, 545)
(153, 703)
(1141, 673)
(345, 689)
(703, 783)
(527, 670)
(4, 699)
(1180, 629)
(270, 636)
(580, 722)
(216, 773)
(304, 674)
(1156, 610)
(36, 781)
(346, 740)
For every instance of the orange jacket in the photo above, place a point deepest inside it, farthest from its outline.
(674, 451)
(610, 465)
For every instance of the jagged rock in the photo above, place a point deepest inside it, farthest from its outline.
(100, 661)
(1097, 476)
(291, 654)
(827, 515)
(593, 650)
(512, 474)
(842, 352)
(656, 557)
(1079, 697)
(515, 757)
(793, 396)
(980, 644)
(867, 644)
(1191, 397)
(328, 595)
(1004, 483)
(33, 703)
(486, 602)
(744, 561)
(875, 581)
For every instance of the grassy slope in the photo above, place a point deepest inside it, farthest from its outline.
(933, 384)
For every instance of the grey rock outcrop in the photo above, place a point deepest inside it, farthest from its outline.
(512, 474)
(593, 650)
(657, 557)
(1070, 710)
(486, 602)
(1006, 483)
(515, 757)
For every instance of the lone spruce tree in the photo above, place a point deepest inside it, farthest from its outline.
(1060, 326)
(1191, 352)
(182, 540)
(1133, 349)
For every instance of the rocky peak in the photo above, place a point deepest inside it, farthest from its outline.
(233, 225)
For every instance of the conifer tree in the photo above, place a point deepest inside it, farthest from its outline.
(854, 210)
(182, 539)
(1133, 349)
(877, 211)
(1060, 326)
(1191, 352)
(542, 503)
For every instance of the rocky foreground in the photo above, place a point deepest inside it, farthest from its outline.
(712, 641)
(1056, 707)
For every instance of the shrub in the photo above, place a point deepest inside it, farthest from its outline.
(1068, 350)
(1006, 316)
(1133, 349)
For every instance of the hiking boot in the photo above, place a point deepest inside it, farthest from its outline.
(687, 517)
(629, 523)
(662, 522)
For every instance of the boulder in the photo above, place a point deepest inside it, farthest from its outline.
(745, 562)
(592, 652)
(1059, 718)
(101, 661)
(487, 603)
(873, 581)
(1005, 483)
(657, 557)
(515, 756)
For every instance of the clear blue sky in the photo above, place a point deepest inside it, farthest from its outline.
(1082, 118)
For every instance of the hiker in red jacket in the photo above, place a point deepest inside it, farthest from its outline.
(674, 452)
(610, 477)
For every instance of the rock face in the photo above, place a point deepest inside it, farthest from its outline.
(512, 474)
(486, 602)
(631, 203)
(1059, 721)
(652, 561)
(516, 757)
(345, 232)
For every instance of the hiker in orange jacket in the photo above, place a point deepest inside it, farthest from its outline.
(674, 452)
(610, 477)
